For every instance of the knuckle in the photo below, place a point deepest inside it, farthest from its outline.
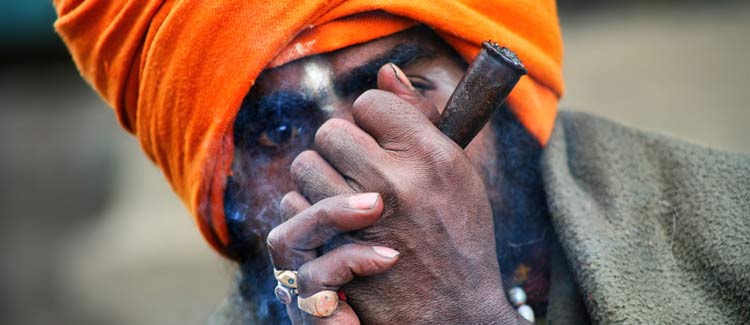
(304, 278)
(301, 164)
(389, 183)
(355, 185)
(314, 275)
(333, 269)
(286, 202)
(382, 179)
(366, 261)
(362, 261)
(323, 214)
(367, 103)
(328, 130)
(366, 99)
(391, 187)
(323, 133)
(369, 265)
(335, 278)
(274, 241)
(402, 142)
(289, 206)
(444, 156)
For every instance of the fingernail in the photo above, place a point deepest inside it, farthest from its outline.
(364, 201)
(385, 252)
(401, 76)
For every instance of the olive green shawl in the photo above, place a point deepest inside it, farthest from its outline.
(655, 230)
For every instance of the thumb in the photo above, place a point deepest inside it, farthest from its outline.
(391, 78)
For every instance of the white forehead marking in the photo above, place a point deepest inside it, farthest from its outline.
(318, 82)
(302, 48)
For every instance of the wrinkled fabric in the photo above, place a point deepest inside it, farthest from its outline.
(175, 72)
(655, 230)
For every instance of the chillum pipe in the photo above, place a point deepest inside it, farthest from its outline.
(484, 87)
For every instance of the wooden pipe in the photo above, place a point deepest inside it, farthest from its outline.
(487, 82)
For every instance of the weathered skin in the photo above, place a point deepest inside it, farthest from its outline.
(432, 207)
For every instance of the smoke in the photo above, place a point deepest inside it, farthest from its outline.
(256, 186)
(270, 130)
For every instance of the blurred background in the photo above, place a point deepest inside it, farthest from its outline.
(92, 234)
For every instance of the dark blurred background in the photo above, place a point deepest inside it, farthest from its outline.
(92, 234)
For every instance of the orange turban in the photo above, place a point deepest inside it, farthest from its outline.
(176, 72)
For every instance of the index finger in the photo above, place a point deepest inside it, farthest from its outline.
(295, 241)
(391, 120)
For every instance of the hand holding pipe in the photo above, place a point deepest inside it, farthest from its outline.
(487, 82)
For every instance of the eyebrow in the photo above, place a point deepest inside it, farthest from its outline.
(365, 76)
(353, 82)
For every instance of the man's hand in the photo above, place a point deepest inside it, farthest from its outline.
(436, 212)
(294, 243)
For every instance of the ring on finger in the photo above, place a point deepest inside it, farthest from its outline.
(321, 304)
(286, 277)
(286, 285)
(284, 295)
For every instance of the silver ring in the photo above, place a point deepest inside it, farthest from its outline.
(284, 294)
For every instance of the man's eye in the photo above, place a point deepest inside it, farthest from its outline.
(421, 84)
(278, 135)
(276, 125)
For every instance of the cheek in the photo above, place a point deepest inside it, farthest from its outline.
(277, 172)
(254, 191)
(260, 184)
(439, 97)
(270, 177)
(445, 75)
(444, 86)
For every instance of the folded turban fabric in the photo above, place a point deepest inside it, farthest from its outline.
(176, 72)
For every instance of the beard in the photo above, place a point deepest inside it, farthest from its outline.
(512, 174)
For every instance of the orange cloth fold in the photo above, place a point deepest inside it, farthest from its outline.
(175, 72)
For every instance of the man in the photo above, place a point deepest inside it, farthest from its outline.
(384, 206)
(457, 192)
